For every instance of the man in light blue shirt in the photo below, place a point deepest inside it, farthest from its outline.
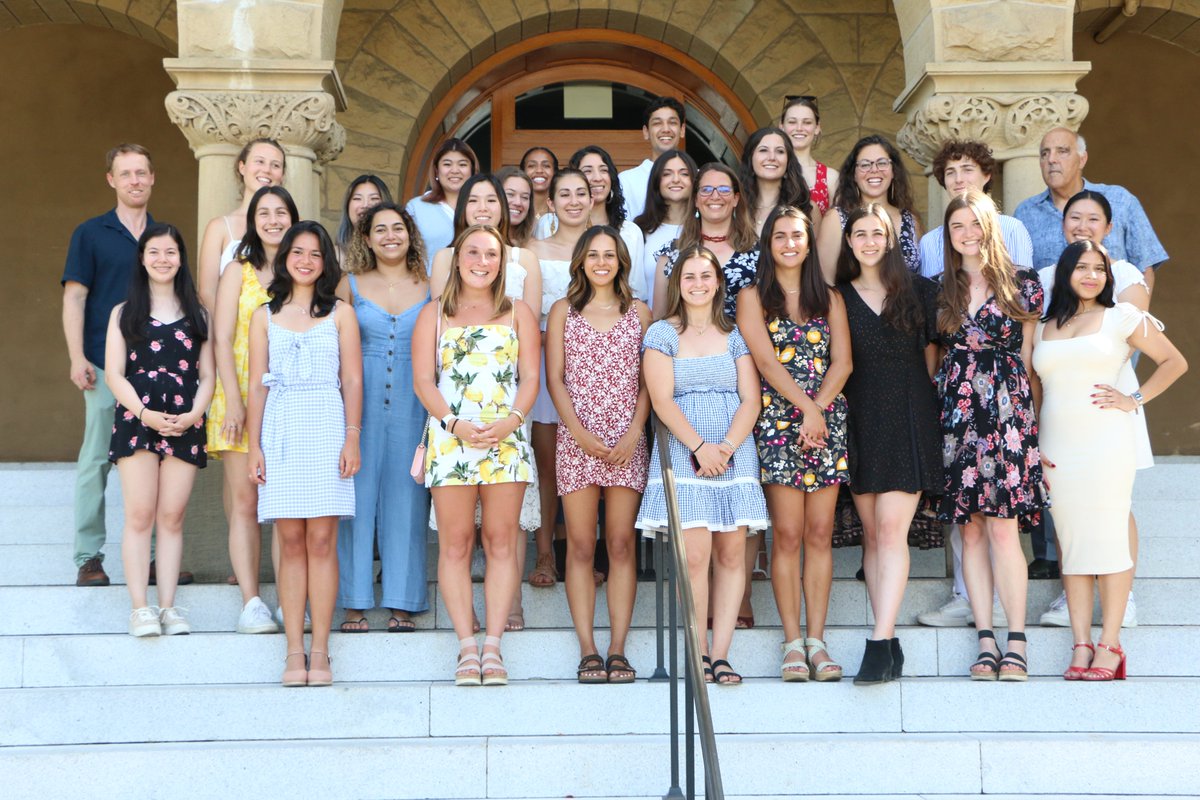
(960, 166)
(1063, 155)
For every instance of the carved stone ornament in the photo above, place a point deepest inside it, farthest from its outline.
(296, 119)
(1005, 122)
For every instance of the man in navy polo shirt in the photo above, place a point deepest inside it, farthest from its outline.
(102, 255)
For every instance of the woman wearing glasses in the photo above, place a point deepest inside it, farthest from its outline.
(722, 225)
(877, 176)
(801, 121)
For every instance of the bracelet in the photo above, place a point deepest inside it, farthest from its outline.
(354, 428)
(702, 443)
(450, 428)
(520, 414)
(447, 421)
(143, 411)
(727, 442)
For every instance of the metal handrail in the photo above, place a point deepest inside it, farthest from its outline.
(695, 695)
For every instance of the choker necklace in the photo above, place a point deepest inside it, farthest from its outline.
(706, 238)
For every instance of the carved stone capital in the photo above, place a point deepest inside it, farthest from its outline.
(1011, 124)
(301, 121)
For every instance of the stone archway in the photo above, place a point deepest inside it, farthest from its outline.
(152, 20)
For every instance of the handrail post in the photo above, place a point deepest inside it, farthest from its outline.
(693, 672)
(658, 557)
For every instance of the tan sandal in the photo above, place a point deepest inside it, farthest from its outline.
(498, 675)
(794, 671)
(544, 574)
(467, 673)
(828, 671)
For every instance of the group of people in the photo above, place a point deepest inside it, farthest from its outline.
(488, 356)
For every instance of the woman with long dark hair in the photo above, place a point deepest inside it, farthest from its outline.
(873, 172)
(796, 330)
(541, 165)
(1088, 439)
(452, 164)
(160, 371)
(363, 192)
(894, 450)
(239, 294)
(771, 176)
(305, 420)
(987, 313)
(668, 204)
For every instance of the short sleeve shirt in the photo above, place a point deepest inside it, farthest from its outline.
(1132, 238)
(102, 255)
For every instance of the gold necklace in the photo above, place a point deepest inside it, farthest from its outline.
(1067, 324)
(300, 308)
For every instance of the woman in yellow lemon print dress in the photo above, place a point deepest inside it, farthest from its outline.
(478, 390)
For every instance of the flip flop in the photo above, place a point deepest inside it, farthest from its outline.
(355, 626)
(515, 622)
(400, 625)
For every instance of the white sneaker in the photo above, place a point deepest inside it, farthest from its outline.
(955, 614)
(1056, 616)
(478, 565)
(256, 618)
(144, 622)
(1130, 619)
(172, 621)
(307, 620)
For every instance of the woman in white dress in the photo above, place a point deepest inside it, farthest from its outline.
(1088, 442)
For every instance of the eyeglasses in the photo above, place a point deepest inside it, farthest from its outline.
(707, 191)
(879, 165)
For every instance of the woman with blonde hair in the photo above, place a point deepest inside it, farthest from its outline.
(475, 367)
(987, 313)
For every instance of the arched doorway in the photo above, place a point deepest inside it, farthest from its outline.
(569, 89)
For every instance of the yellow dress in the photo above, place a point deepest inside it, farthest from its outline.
(251, 297)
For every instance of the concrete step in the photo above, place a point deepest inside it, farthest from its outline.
(151, 714)
(222, 658)
(605, 766)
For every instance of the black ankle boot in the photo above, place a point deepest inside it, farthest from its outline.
(897, 659)
(876, 664)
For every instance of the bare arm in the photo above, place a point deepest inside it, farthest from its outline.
(933, 357)
(754, 331)
(660, 287)
(424, 362)
(440, 273)
(257, 395)
(350, 373)
(622, 451)
(343, 291)
(208, 270)
(207, 384)
(749, 390)
(832, 176)
(531, 293)
(224, 327)
(829, 243)
(1035, 384)
(1171, 363)
(840, 353)
(75, 295)
(529, 364)
(556, 362)
(1137, 296)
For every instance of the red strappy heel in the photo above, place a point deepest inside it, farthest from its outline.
(1076, 673)
(1104, 673)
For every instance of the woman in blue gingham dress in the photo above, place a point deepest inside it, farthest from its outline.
(303, 426)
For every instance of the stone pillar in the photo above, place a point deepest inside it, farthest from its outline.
(1022, 178)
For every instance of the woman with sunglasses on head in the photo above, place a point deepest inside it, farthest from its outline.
(771, 176)
(668, 205)
(1088, 438)
(452, 164)
(801, 121)
(720, 224)
(877, 175)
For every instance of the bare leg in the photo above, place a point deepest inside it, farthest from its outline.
(175, 481)
(321, 544)
(753, 544)
(544, 442)
(581, 508)
(885, 553)
(1114, 594)
(501, 527)
(1012, 577)
(819, 509)
(787, 514)
(293, 579)
(139, 492)
(620, 537)
(698, 546)
(245, 537)
(1079, 590)
(977, 574)
(729, 577)
(455, 509)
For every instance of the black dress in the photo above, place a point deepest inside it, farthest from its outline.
(894, 435)
(164, 370)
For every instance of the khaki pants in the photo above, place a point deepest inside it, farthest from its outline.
(91, 471)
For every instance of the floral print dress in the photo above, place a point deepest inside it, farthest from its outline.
(989, 428)
(804, 350)
(477, 376)
(164, 370)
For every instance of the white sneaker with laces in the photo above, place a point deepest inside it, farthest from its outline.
(1056, 616)
(256, 618)
(144, 622)
(954, 614)
(172, 621)
(307, 620)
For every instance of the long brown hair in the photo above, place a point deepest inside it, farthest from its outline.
(996, 267)
(741, 230)
(500, 301)
(675, 304)
(580, 292)
(814, 293)
(518, 235)
(901, 306)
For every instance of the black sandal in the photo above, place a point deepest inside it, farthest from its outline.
(592, 663)
(617, 662)
(728, 677)
(1017, 666)
(986, 666)
(708, 669)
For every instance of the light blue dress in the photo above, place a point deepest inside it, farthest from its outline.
(435, 221)
(304, 426)
(390, 504)
(707, 393)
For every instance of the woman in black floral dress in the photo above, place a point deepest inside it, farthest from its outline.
(987, 312)
(160, 370)
(797, 332)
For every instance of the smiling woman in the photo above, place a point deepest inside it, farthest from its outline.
(453, 163)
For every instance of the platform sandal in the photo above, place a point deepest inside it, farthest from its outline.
(492, 661)
(987, 665)
(1014, 667)
(795, 671)
(295, 677)
(320, 677)
(467, 672)
(830, 670)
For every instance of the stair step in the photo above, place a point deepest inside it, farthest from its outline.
(221, 658)
(593, 766)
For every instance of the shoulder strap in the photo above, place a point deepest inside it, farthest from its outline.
(228, 227)
(437, 344)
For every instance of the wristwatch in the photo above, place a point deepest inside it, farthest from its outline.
(446, 420)
(1137, 398)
